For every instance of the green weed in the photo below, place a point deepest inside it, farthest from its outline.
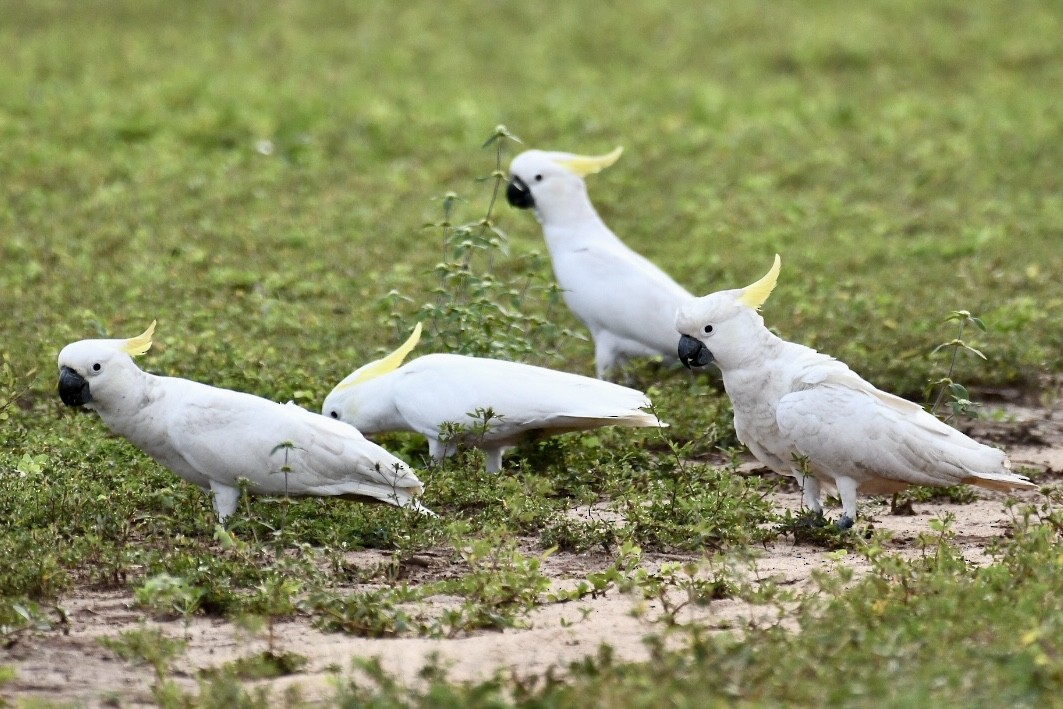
(694, 507)
(959, 400)
(153, 647)
(487, 302)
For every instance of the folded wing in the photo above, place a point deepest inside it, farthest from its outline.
(226, 435)
(877, 440)
(438, 388)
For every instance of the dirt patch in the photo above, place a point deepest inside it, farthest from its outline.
(71, 666)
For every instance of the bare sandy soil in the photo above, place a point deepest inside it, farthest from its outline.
(71, 666)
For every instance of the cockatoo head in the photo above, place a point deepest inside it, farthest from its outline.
(92, 373)
(721, 327)
(551, 183)
(345, 401)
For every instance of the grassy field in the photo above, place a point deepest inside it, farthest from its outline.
(259, 177)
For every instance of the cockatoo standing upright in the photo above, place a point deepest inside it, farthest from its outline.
(435, 389)
(626, 302)
(213, 437)
(806, 414)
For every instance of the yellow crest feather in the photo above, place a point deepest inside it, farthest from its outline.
(383, 365)
(754, 295)
(136, 346)
(584, 165)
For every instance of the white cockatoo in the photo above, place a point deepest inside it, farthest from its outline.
(626, 301)
(806, 414)
(212, 437)
(524, 401)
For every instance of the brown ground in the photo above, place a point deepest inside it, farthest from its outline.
(73, 667)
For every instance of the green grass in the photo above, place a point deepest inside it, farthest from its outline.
(900, 636)
(258, 176)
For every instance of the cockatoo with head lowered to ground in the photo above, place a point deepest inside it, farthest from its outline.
(805, 414)
(436, 389)
(213, 437)
(626, 302)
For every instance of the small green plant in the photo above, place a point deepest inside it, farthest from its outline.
(500, 585)
(266, 664)
(678, 585)
(694, 506)
(275, 597)
(959, 399)
(376, 613)
(227, 689)
(813, 529)
(453, 434)
(165, 594)
(482, 307)
(153, 647)
(13, 385)
(38, 576)
(573, 535)
(285, 470)
(955, 494)
(621, 573)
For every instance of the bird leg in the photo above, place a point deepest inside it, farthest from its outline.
(608, 364)
(493, 459)
(846, 491)
(810, 491)
(439, 450)
(225, 498)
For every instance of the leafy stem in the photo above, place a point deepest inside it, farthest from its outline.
(960, 398)
(472, 309)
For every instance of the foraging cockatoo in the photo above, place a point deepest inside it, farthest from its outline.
(436, 389)
(806, 414)
(627, 302)
(212, 437)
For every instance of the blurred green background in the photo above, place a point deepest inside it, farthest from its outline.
(257, 175)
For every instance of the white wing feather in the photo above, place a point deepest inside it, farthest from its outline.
(884, 442)
(224, 435)
(441, 387)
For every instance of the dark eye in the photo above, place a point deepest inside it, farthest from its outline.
(334, 414)
(709, 329)
(538, 178)
(96, 367)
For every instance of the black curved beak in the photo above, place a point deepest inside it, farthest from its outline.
(73, 389)
(693, 353)
(518, 194)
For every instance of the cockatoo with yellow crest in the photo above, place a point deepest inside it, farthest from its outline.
(626, 301)
(212, 437)
(806, 414)
(436, 389)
